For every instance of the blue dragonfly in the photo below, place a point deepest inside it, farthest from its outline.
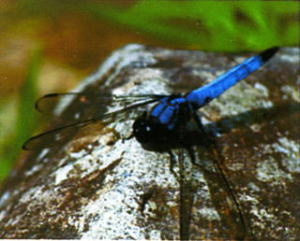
(167, 120)
(165, 124)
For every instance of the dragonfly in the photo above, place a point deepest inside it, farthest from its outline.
(166, 124)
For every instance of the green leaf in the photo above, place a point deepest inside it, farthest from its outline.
(26, 117)
(209, 25)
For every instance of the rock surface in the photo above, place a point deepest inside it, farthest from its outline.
(93, 183)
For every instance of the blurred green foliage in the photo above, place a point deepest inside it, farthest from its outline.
(210, 25)
(25, 117)
(206, 25)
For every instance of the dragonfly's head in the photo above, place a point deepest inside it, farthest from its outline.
(149, 132)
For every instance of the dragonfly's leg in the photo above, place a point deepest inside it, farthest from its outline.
(205, 115)
(192, 156)
(198, 121)
(209, 134)
(202, 131)
(172, 163)
(127, 138)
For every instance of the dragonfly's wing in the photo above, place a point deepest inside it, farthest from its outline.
(127, 103)
(232, 221)
(233, 205)
(186, 197)
(46, 103)
(54, 135)
(203, 95)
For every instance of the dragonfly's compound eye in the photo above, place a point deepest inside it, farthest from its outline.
(143, 130)
(151, 134)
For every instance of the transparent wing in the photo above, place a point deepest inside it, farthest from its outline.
(46, 103)
(122, 104)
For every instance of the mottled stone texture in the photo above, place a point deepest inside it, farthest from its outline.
(92, 183)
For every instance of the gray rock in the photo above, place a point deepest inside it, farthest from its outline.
(92, 183)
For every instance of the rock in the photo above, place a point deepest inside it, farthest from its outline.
(92, 182)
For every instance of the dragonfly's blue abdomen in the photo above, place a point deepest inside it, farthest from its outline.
(204, 94)
(169, 111)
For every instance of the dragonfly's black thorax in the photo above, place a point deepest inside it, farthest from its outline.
(165, 124)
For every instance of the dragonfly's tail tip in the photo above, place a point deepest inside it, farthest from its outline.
(268, 53)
